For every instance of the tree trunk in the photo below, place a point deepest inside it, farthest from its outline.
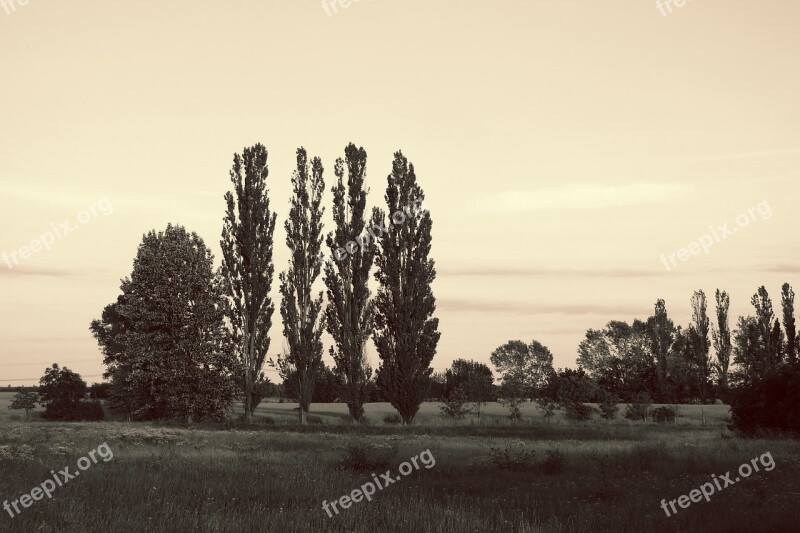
(248, 397)
(303, 416)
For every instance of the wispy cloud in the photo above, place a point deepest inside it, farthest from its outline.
(518, 308)
(27, 271)
(533, 272)
(583, 196)
(747, 155)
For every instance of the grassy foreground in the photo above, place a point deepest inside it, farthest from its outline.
(275, 478)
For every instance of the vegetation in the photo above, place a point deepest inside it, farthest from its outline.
(25, 401)
(247, 269)
(164, 340)
(350, 314)
(406, 333)
(302, 321)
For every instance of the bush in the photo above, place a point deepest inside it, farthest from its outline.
(547, 406)
(554, 464)
(367, 457)
(666, 413)
(85, 411)
(99, 391)
(455, 405)
(513, 457)
(608, 405)
(639, 407)
(577, 411)
(769, 405)
(392, 419)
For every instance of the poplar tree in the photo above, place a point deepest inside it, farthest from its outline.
(787, 302)
(721, 334)
(406, 331)
(302, 321)
(700, 324)
(350, 314)
(247, 269)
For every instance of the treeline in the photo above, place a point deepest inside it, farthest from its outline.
(754, 367)
(184, 340)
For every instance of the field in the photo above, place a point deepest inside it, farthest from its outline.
(275, 477)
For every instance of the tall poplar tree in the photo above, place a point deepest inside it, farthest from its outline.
(406, 331)
(350, 314)
(302, 321)
(721, 334)
(700, 323)
(247, 269)
(787, 302)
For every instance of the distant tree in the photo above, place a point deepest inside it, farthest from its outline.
(350, 314)
(769, 353)
(247, 269)
(26, 401)
(512, 393)
(747, 351)
(302, 321)
(406, 333)
(165, 348)
(527, 366)
(787, 303)
(608, 404)
(60, 392)
(99, 391)
(575, 388)
(438, 388)
(455, 405)
(620, 358)
(768, 405)
(662, 334)
(325, 385)
(700, 325)
(473, 379)
(721, 334)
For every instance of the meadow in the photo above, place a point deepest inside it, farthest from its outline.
(489, 474)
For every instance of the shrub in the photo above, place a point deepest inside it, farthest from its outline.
(666, 413)
(608, 405)
(513, 457)
(554, 464)
(455, 405)
(577, 411)
(769, 405)
(367, 457)
(639, 407)
(392, 419)
(547, 406)
(99, 391)
(85, 411)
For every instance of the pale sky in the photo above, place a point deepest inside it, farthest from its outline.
(562, 147)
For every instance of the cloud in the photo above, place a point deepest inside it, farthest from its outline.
(747, 155)
(501, 272)
(583, 196)
(23, 270)
(517, 308)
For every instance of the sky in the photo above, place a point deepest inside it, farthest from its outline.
(563, 147)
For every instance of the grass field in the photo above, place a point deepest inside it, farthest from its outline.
(276, 476)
